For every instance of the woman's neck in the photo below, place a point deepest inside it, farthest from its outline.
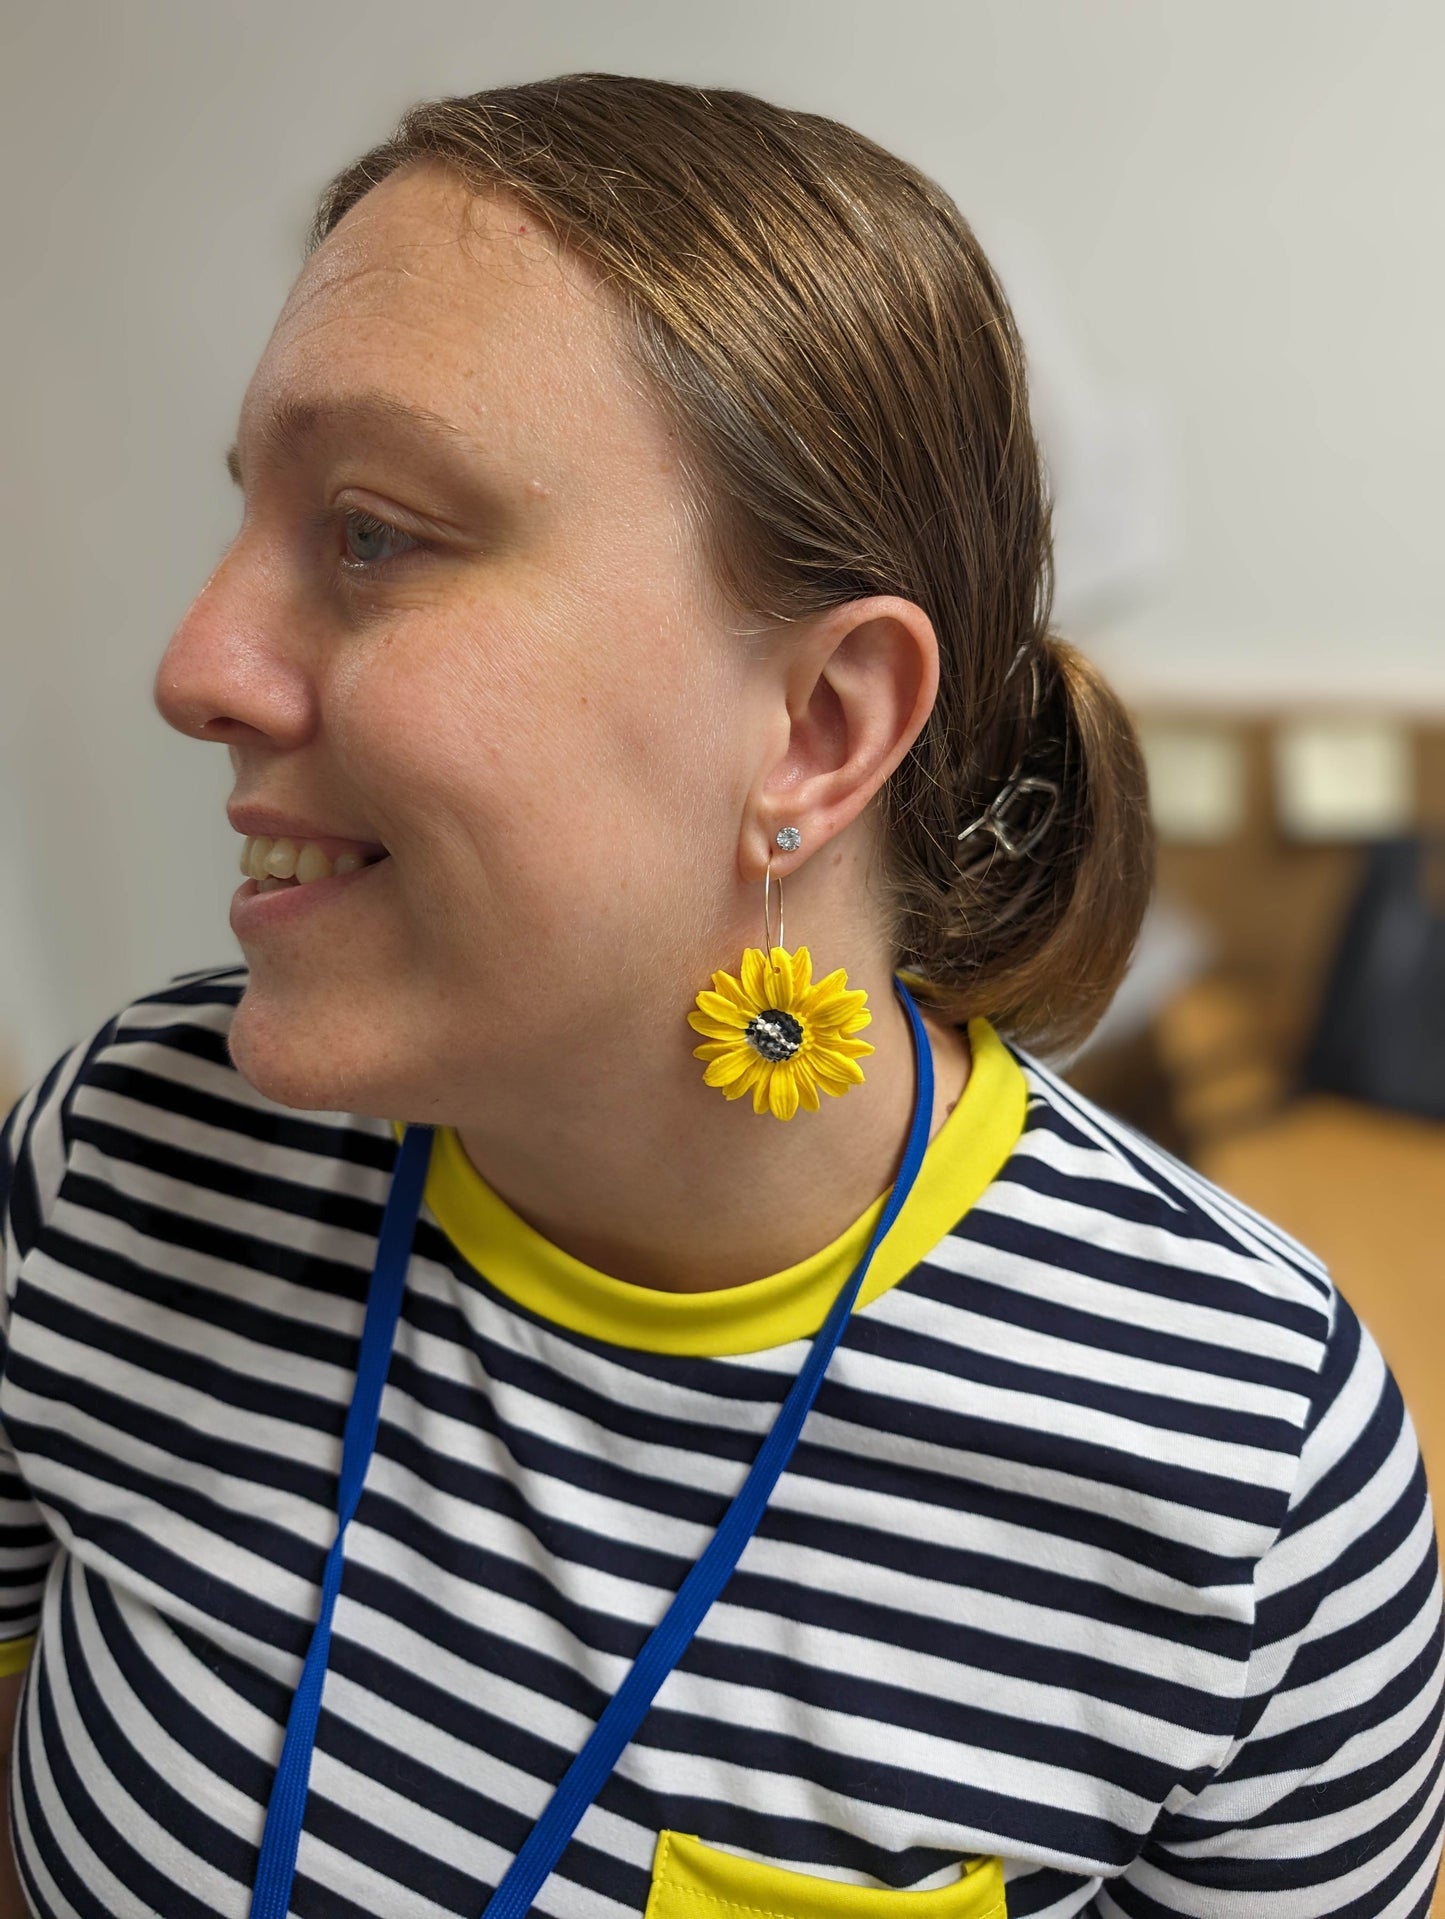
(671, 1186)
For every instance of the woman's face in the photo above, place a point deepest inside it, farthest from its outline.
(513, 686)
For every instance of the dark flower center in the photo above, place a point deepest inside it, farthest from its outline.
(774, 1034)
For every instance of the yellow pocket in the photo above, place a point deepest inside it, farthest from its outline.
(694, 1881)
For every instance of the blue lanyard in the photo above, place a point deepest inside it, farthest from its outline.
(665, 1645)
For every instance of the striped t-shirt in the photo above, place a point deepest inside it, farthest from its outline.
(1103, 1578)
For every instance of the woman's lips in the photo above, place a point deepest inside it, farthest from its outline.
(253, 911)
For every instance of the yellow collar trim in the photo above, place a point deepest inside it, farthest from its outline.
(964, 1156)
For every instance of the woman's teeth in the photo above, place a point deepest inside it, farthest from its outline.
(273, 863)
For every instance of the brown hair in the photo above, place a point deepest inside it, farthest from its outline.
(817, 320)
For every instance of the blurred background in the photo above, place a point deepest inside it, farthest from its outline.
(1222, 227)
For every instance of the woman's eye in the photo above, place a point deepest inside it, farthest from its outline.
(366, 531)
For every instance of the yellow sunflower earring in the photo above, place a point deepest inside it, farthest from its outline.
(776, 1032)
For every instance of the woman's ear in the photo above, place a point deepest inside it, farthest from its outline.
(858, 687)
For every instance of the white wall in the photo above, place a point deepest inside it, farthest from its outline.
(1221, 221)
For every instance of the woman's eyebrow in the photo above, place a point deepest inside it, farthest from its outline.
(295, 422)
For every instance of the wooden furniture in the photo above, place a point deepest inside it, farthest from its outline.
(1275, 906)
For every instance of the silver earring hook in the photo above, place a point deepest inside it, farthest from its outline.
(768, 941)
(789, 839)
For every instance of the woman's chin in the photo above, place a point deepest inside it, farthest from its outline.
(304, 1070)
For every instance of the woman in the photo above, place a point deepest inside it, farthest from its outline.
(641, 512)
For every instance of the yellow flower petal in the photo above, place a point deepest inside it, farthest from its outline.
(723, 1071)
(783, 1092)
(838, 1013)
(730, 988)
(780, 979)
(836, 1074)
(831, 985)
(837, 1018)
(834, 1088)
(712, 1028)
(806, 1084)
(754, 978)
(723, 1008)
(846, 1046)
(757, 1070)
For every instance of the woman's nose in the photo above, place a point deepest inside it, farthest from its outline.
(222, 675)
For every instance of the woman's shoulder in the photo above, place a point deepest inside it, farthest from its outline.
(1124, 1323)
(149, 1108)
(1152, 1273)
(1099, 1194)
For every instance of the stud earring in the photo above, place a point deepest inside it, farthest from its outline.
(773, 1031)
